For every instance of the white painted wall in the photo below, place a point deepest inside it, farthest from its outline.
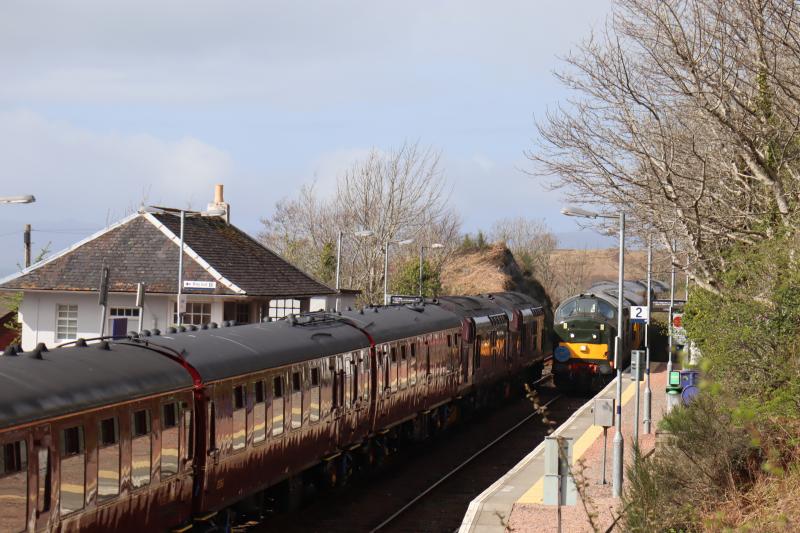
(327, 303)
(37, 313)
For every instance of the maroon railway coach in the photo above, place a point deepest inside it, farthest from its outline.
(165, 431)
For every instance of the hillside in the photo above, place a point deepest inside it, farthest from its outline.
(491, 269)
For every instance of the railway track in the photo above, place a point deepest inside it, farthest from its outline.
(393, 518)
(428, 487)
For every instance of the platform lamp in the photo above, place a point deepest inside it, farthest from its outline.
(386, 266)
(26, 238)
(619, 443)
(24, 199)
(360, 234)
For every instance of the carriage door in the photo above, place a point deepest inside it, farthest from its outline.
(41, 484)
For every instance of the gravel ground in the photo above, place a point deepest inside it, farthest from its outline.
(528, 518)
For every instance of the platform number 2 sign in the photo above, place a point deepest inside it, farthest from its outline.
(640, 313)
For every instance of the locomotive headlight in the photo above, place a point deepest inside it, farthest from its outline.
(602, 327)
(571, 335)
(594, 336)
(564, 324)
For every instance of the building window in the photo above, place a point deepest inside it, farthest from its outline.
(238, 311)
(122, 319)
(197, 313)
(66, 322)
(281, 308)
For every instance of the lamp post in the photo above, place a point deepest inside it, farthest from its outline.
(218, 211)
(619, 443)
(648, 393)
(671, 306)
(433, 246)
(359, 233)
(386, 266)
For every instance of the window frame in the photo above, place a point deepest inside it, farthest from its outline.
(68, 321)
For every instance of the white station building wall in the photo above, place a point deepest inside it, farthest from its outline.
(38, 314)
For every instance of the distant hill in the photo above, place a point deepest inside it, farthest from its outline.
(576, 270)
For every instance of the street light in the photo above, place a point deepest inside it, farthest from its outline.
(361, 234)
(433, 246)
(24, 199)
(619, 443)
(212, 212)
(386, 266)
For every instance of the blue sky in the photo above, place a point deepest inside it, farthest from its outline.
(104, 104)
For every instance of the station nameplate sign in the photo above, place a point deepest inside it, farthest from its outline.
(189, 284)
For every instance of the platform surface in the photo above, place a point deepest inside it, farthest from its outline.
(515, 500)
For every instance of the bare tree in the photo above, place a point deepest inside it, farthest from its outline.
(397, 194)
(686, 113)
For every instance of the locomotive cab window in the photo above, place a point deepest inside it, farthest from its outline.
(73, 470)
(169, 439)
(141, 448)
(108, 459)
(13, 486)
(297, 400)
(239, 434)
(259, 412)
(277, 405)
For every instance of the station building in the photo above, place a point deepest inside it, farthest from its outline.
(227, 275)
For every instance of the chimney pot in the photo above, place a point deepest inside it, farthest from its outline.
(218, 193)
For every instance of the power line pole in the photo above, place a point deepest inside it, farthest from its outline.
(26, 239)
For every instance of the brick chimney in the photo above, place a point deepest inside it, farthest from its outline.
(220, 203)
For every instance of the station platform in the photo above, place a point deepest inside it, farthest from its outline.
(514, 502)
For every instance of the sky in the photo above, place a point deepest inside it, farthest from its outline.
(108, 105)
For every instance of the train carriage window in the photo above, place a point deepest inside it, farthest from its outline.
(277, 405)
(45, 480)
(427, 359)
(354, 372)
(108, 459)
(365, 382)
(73, 470)
(348, 380)
(387, 382)
(314, 392)
(141, 448)
(169, 440)
(412, 364)
(14, 486)
(188, 433)
(478, 350)
(212, 427)
(403, 366)
(449, 341)
(239, 433)
(393, 368)
(297, 400)
(259, 412)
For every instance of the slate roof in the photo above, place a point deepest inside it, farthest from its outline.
(144, 248)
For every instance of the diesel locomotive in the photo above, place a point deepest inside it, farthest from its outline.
(585, 327)
(170, 431)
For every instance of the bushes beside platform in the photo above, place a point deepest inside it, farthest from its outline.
(731, 456)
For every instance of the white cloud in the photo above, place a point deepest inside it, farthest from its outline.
(68, 166)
